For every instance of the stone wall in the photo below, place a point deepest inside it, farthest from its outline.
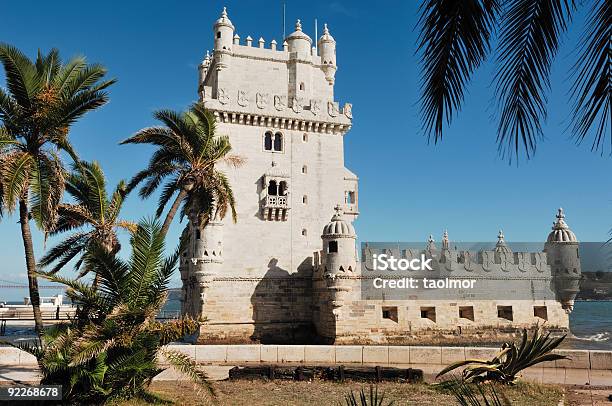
(346, 354)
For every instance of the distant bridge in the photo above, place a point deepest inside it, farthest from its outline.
(6, 284)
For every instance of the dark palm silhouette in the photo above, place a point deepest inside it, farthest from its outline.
(455, 39)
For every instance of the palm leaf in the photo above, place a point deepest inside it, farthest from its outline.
(529, 41)
(592, 88)
(15, 171)
(188, 367)
(47, 189)
(454, 42)
(21, 78)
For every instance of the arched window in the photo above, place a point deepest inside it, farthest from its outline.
(305, 137)
(278, 142)
(218, 34)
(282, 188)
(268, 141)
(302, 87)
(304, 169)
(304, 232)
(272, 188)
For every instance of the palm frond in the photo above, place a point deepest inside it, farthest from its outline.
(592, 89)
(147, 248)
(188, 367)
(21, 78)
(530, 35)
(47, 189)
(64, 252)
(170, 189)
(454, 42)
(15, 170)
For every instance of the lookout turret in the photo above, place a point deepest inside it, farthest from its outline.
(563, 255)
(327, 51)
(224, 38)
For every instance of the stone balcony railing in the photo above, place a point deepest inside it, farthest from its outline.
(276, 202)
(275, 208)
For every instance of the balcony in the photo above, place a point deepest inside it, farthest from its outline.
(275, 208)
(276, 202)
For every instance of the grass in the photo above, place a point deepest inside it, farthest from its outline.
(269, 393)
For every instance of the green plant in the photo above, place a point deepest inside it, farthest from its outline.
(92, 210)
(371, 399)
(188, 150)
(115, 347)
(42, 100)
(511, 360)
(474, 394)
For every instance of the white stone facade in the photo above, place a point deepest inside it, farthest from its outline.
(272, 276)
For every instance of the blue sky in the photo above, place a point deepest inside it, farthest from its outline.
(408, 189)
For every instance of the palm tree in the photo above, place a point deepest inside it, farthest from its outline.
(188, 150)
(92, 209)
(43, 99)
(455, 38)
(113, 350)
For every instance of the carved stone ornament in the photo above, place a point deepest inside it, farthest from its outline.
(280, 102)
(222, 96)
(242, 98)
(348, 110)
(332, 109)
(297, 104)
(262, 100)
(315, 107)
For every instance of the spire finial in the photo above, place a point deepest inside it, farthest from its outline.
(338, 210)
(325, 29)
(560, 214)
(298, 25)
(445, 240)
(500, 236)
(224, 12)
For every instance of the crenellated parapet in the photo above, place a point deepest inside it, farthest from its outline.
(299, 90)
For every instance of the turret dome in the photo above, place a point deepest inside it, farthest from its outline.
(339, 226)
(224, 20)
(326, 37)
(560, 230)
(298, 33)
(501, 245)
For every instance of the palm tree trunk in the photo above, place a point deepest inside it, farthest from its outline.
(170, 216)
(26, 234)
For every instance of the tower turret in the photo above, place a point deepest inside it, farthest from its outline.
(207, 254)
(339, 258)
(561, 248)
(203, 69)
(224, 35)
(299, 43)
(327, 51)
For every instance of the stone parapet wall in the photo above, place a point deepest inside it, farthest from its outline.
(349, 354)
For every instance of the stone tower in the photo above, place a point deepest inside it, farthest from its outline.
(563, 254)
(334, 276)
(276, 104)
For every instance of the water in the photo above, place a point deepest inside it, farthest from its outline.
(590, 324)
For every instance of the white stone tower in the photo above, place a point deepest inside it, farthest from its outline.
(562, 249)
(277, 107)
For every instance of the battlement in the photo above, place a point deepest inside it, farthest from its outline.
(469, 262)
